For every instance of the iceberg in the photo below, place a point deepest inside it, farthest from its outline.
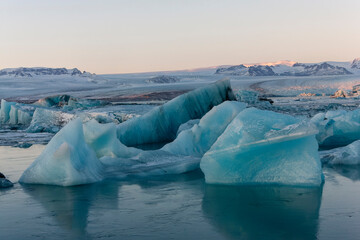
(264, 147)
(337, 128)
(67, 102)
(20, 114)
(67, 160)
(15, 113)
(161, 124)
(5, 110)
(348, 155)
(48, 120)
(53, 101)
(82, 153)
(198, 140)
(250, 97)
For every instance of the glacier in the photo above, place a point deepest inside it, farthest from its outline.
(161, 124)
(264, 147)
(337, 128)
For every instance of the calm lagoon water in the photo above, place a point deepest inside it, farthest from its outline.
(176, 207)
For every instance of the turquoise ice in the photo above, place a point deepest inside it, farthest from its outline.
(161, 123)
(15, 113)
(263, 147)
(67, 160)
(198, 140)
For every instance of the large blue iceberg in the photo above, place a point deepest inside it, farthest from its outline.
(67, 160)
(263, 147)
(161, 124)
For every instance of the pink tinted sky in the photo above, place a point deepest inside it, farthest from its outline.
(138, 36)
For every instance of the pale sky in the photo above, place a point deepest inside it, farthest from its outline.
(111, 36)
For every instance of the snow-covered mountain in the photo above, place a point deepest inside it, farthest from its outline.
(242, 70)
(320, 69)
(288, 68)
(355, 63)
(42, 71)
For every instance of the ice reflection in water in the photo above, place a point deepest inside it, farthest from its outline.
(176, 207)
(70, 206)
(351, 172)
(259, 212)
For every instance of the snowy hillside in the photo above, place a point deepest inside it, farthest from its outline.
(42, 71)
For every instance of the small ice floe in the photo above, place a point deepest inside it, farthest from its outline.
(5, 183)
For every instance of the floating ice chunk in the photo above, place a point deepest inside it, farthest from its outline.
(47, 120)
(53, 101)
(20, 115)
(5, 110)
(5, 183)
(348, 155)
(15, 113)
(252, 98)
(247, 96)
(197, 140)
(84, 103)
(67, 102)
(161, 124)
(67, 160)
(102, 138)
(337, 128)
(263, 147)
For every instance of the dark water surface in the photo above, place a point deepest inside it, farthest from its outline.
(178, 207)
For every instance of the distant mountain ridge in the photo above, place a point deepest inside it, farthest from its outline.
(288, 68)
(355, 63)
(42, 71)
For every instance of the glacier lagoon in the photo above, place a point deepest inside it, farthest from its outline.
(176, 207)
(214, 215)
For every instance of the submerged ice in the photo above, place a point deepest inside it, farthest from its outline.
(262, 147)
